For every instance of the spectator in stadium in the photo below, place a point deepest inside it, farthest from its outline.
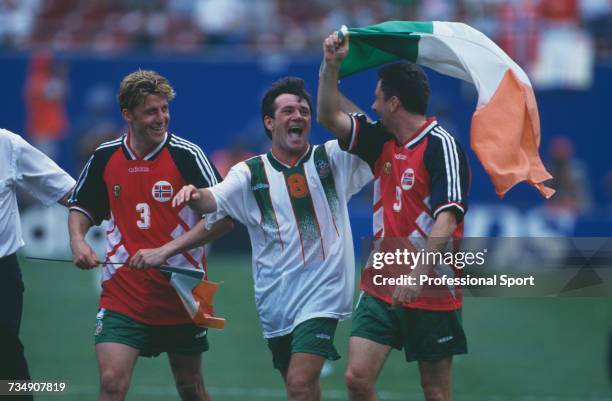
(421, 178)
(130, 181)
(571, 180)
(293, 201)
(25, 167)
(46, 89)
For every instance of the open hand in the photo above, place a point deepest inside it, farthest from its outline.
(185, 195)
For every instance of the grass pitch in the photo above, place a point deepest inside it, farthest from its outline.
(548, 349)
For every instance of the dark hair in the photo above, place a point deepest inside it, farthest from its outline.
(290, 85)
(409, 83)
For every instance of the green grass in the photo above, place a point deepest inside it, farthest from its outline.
(547, 349)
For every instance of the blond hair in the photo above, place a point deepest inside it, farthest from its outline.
(136, 86)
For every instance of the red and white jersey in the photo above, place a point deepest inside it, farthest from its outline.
(134, 195)
(413, 183)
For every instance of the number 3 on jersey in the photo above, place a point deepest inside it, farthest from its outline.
(144, 222)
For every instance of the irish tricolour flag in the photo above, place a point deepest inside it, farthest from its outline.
(505, 132)
(196, 294)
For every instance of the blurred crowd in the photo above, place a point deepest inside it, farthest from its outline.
(271, 25)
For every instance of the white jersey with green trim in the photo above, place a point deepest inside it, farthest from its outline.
(298, 223)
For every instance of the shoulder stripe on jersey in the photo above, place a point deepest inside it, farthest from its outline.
(452, 175)
(199, 151)
(81, 179)
(424, 132)
(201, 160)
(83, 175)
(455, 154)
(354, 129)
(114, 142)
(203, 157)
(453, 164)
(451, 161)
(446, 163)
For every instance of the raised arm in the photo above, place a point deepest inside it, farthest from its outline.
(330, 102)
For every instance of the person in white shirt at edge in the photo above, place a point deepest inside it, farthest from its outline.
(25, 167)
(293, 201)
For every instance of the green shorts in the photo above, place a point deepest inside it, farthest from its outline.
(314, 336)
(425, 335)
(151, 340)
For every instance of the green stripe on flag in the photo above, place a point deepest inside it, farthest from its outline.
(261, 191)
(383, 43)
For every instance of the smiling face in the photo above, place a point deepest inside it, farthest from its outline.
(148, 121)
(290, 126)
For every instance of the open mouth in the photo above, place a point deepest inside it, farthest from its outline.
(296, 131)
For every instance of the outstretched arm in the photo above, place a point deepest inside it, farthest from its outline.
(198, 235)
(201, 200)
(329, 100)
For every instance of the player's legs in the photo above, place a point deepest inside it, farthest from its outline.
(299, 357)
(375, 331)
(302, 377)
(432, 338)
(187, 372)
(119, 341)
(436, 379)
(116, 363)
(184, 344)
(365, 361)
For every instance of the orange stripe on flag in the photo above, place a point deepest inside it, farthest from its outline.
(505, 136)
(203, 293)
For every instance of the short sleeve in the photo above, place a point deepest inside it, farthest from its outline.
(367, 139)
(90, 195)
(231, 195)
(38, 175)
(357, 172)
(448, 169)
(192, 162)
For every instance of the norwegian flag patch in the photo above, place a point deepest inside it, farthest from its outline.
(162, 191)
(407, 179)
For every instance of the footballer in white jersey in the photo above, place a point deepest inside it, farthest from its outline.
(297, 217)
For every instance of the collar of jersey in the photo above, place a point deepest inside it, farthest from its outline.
(130, 155)
(280, 166)
(429, 124)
